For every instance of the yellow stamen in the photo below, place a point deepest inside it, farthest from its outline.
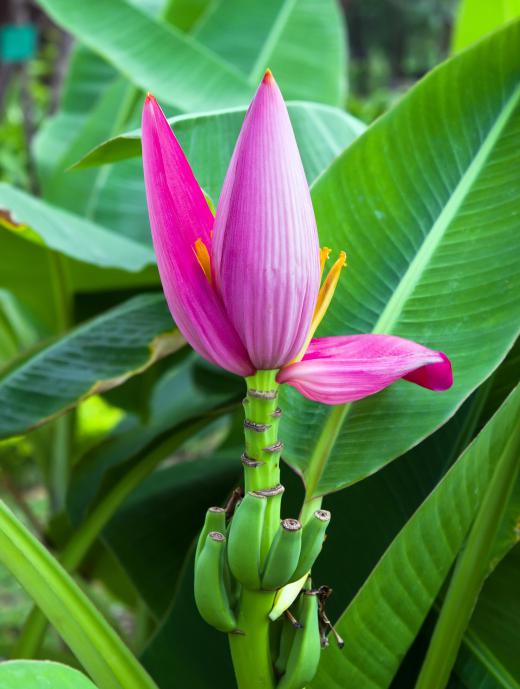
(202, 254)
(324, 296)
(324, 255)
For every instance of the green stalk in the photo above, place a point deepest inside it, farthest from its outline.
(250, 651)
(319, 459)
(470, 573)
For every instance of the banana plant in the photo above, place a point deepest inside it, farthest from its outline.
(300, 334)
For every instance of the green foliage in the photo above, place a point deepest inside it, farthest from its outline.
(322, 133)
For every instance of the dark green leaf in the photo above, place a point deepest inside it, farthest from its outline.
(98, 355)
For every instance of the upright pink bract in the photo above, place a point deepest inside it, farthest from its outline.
(265, 242)
(179, 215)
(244, 288)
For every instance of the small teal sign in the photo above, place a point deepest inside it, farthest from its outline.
(17, 42)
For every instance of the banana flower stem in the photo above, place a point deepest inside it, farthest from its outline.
(250, 650)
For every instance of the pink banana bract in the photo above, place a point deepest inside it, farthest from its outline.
(244, 286)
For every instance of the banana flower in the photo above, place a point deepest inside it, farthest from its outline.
(244, 286)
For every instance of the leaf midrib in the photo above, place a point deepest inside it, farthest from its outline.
(415, 270)
(277, 27)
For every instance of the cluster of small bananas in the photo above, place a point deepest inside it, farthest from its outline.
(228, 558)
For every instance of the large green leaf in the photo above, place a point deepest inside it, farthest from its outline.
(33, 674)
(153, 55)
(475, 19)
(44, 224)
(98, 355)
(383, 619)
(208, 139)
(87, 633)
(425, 203)
(302, 41)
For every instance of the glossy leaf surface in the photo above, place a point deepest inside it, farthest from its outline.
(425, 204)
(301, 41)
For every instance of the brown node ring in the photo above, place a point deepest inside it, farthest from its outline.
(276, 447)
(249, 461)
(256, 427)
(269, 492)
(263, 394)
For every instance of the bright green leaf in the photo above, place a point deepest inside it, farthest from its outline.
(489, 657)
(425, 204)
(301, 41)
(154, 56)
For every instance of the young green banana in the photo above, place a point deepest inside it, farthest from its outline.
(304, 655)
(313, 535)
(215, 521)
(283, 555)
(245, 540)
(210, 591)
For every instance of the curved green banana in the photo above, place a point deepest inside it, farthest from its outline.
(215, 521)
(283, 555)
(245, 540)
(313, 535)
(210, 592)
(304, 655)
